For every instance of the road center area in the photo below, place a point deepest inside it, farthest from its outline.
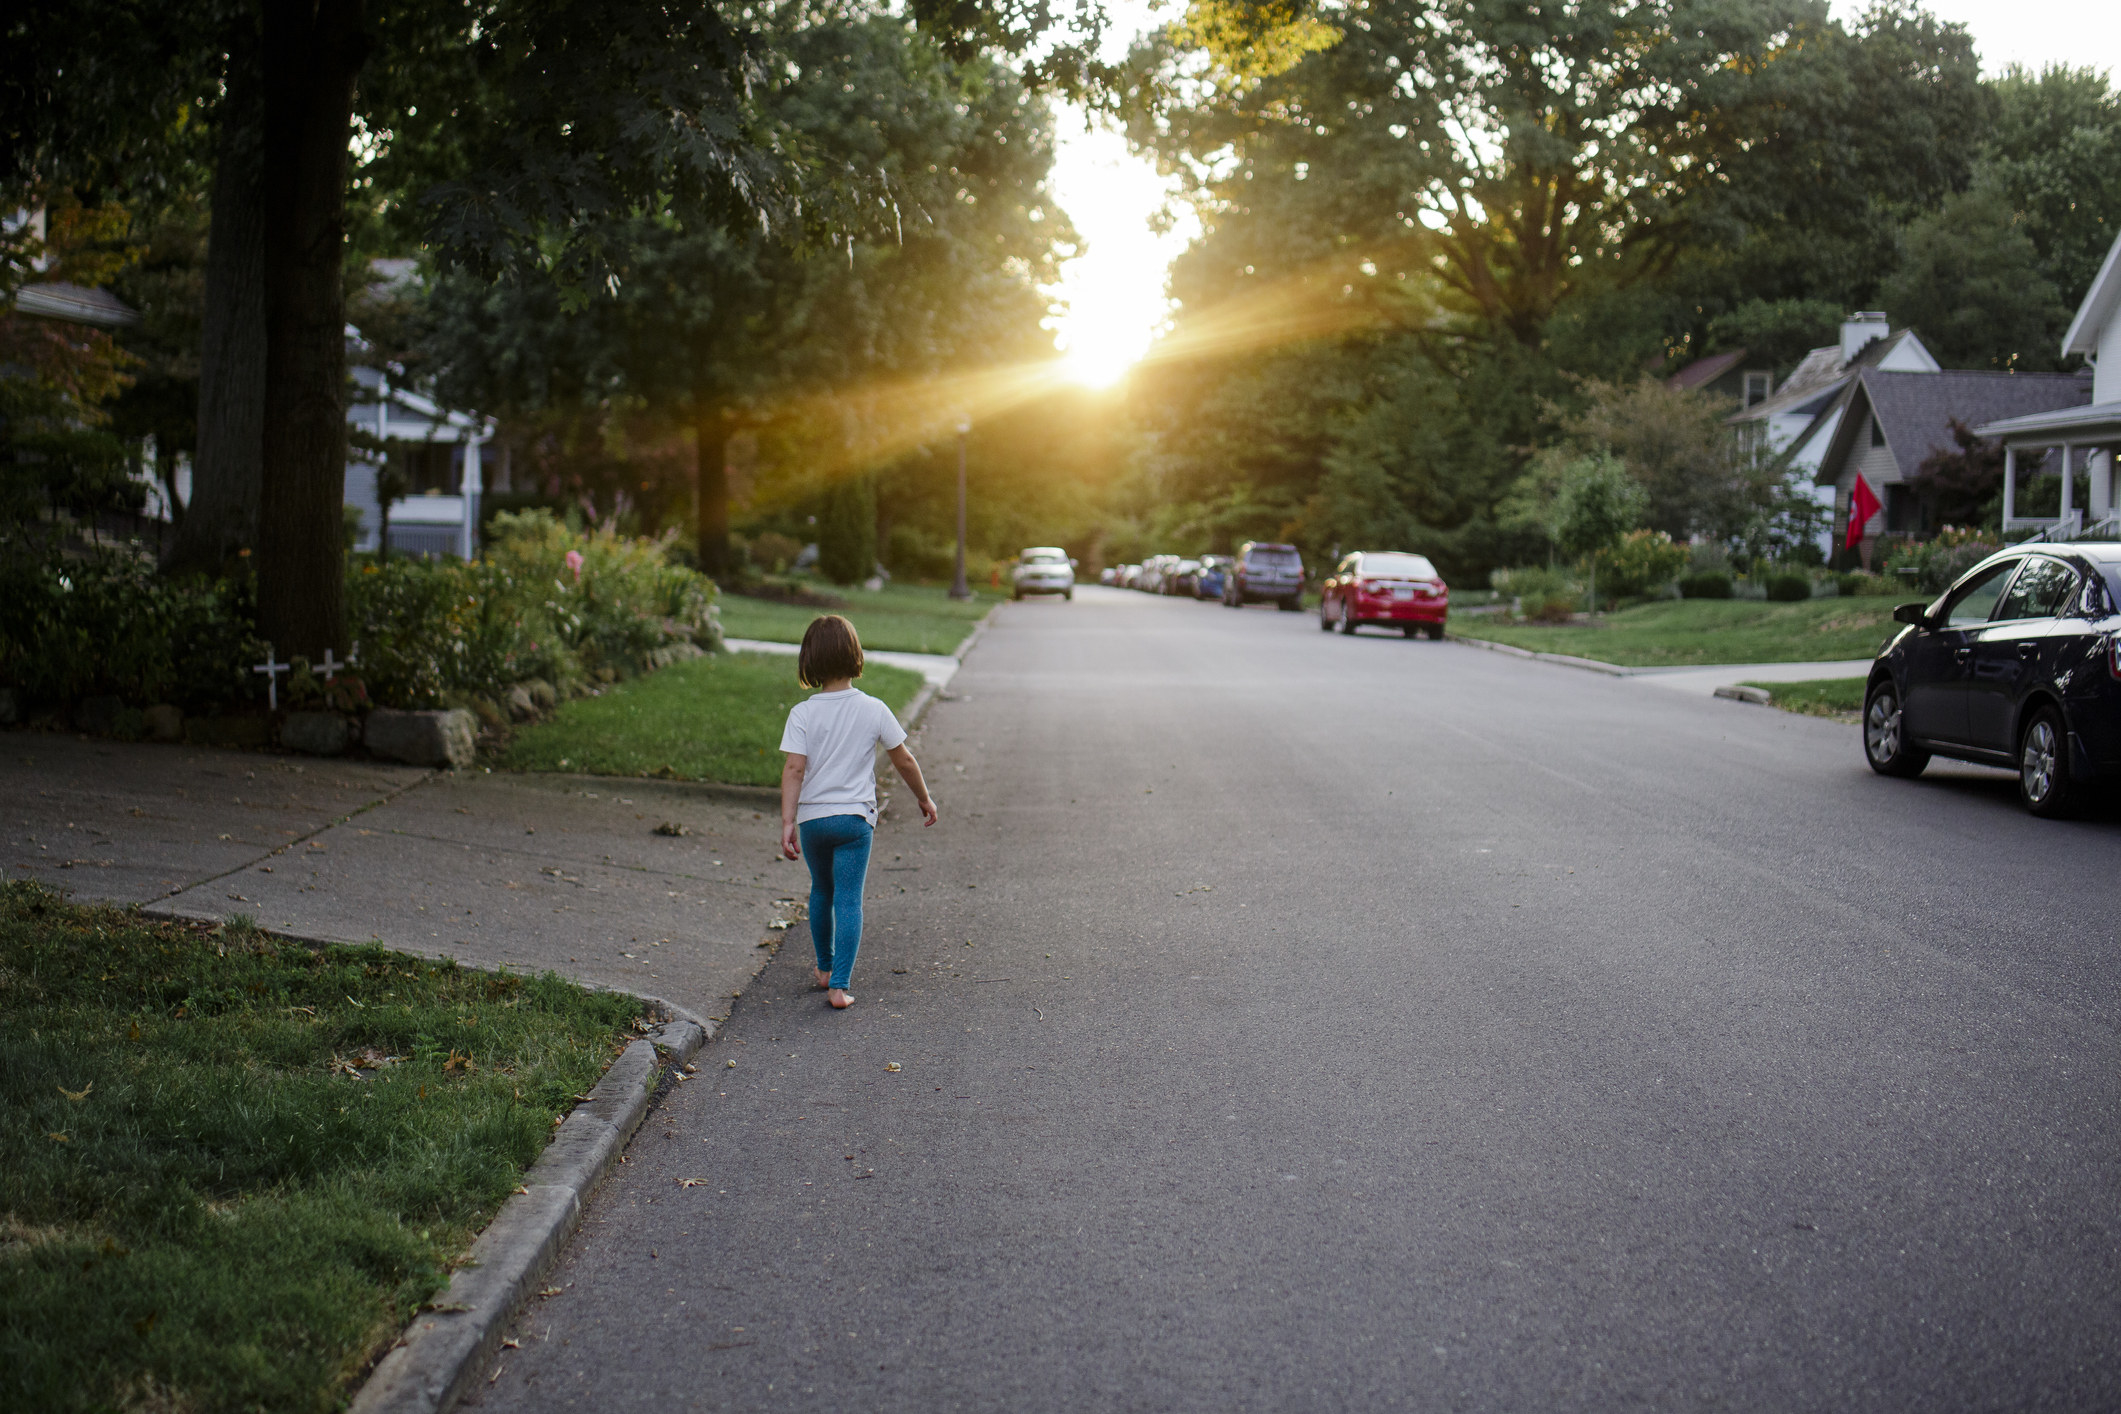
(1291, 1021)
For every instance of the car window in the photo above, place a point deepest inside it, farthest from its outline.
(1973, 603)
(1402, 566)
(2039, 592)
(1272, 557)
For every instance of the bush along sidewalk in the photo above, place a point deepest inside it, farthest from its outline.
(238, 1164)
(96, 641)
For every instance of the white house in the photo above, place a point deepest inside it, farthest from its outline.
(439, 454)
(2078, 439)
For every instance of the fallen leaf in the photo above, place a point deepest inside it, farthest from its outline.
(692, 1183)
(77, 1096)
(550, 1291)
(673, 829)
(57, 1138)
(891, 1065)
(511, 1343)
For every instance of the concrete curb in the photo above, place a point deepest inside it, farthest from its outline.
(439, 1356)
(1611, 670)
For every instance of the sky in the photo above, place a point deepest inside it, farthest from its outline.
(1114, 290)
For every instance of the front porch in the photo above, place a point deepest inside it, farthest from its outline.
(2085, 439)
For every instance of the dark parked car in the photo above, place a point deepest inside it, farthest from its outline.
(1265, 571)
(2018, 665)
(1213, 570)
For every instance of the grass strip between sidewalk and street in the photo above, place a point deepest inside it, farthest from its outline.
(1821, 697)
(711, 719)
(1677, 632)
(900, 618)
(237, 1165)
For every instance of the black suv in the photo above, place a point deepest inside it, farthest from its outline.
(1265, 571)
(2018, 665)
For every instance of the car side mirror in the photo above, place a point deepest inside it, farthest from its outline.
(1073, 562)
(1916, 614)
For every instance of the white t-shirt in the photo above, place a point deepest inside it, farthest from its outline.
(839, 732)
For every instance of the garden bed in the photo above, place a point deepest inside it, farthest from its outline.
(1677, 632)
(238, 1164)
(711, 719)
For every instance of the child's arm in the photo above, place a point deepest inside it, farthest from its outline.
(791, 792)
(909, 771)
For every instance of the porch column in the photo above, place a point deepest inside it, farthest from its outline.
(468, 533)
(2100, 463)
(2069, 483)
(2010, 485)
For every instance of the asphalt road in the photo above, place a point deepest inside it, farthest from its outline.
(1292, 1022)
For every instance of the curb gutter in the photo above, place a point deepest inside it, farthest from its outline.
(1611, 670)
(925, 698)
(435, 1361)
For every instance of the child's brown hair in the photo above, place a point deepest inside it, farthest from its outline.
(831, 650)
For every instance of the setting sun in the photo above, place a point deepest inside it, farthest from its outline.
(1113, 292)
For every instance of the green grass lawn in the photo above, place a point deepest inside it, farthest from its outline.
(710, 719)
(904, 618)
(235, 1166)
(1821, 697)
(1673, 632)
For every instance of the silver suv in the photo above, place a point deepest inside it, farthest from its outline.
(1043, 569)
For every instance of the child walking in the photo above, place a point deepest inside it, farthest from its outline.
(828, 792)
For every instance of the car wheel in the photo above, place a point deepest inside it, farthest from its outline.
(1885, 742)
(1325, 624)
(1410, 630)
(1347, 625)
(1069, 595)
(1436, 632)
(1293, 605)
(2043, 766)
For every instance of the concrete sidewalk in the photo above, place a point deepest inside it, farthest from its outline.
(1705, 681)
(936, 668)
(565, 873)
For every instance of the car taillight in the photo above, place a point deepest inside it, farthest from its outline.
(2113, 655)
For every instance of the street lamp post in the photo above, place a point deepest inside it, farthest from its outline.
(958, 588)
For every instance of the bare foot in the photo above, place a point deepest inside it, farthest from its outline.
(824, 979)
(840, 998)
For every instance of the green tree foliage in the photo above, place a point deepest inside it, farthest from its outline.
(846, 532)
(1972, 283)
(2055, 154)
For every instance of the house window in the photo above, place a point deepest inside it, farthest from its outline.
(1758, 385)
(430, 468)
(1877, 433)
(1905, 513)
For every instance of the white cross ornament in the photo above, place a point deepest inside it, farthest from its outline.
(331, 666)
(272, 673)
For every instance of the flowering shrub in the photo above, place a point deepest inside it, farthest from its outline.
(1932, 565)
(105, 622)
(1640, 562)
(546, 602)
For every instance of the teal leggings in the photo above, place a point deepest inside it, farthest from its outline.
(837, 850)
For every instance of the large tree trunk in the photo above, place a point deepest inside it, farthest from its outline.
(227, 466)
(313, 51)
(711, 441)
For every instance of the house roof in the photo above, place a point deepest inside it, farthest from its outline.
(1916, 410)
(1704, 371)
(2097, 309)
(77, 304)
(1824, 373)
(2087, 421)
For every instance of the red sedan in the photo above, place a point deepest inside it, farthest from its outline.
(1387, 588)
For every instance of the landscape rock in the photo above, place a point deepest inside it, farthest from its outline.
(444, 738)
(227, 731)
(315, 733)
(520, 705)
(489, 713)
(543, 694)
(98, 716)
(163, 722)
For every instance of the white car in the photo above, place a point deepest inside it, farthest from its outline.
(1043, 569)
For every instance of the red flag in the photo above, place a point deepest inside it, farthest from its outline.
(1863, 504)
